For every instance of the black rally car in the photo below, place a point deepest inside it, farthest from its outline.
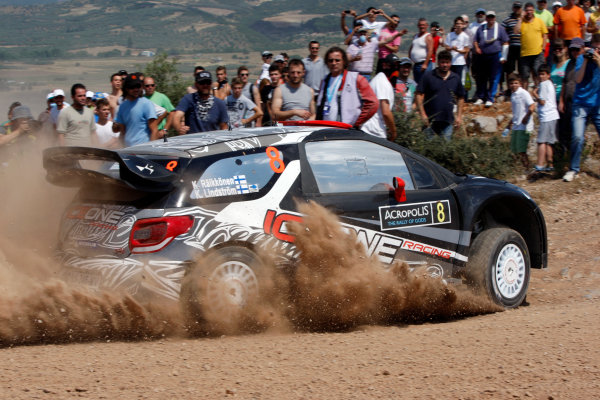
(144, 213)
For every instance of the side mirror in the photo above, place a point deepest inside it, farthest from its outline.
(399, 192)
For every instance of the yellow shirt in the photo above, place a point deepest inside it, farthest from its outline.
(532, 37)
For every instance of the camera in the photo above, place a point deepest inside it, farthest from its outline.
(347, 12)
(589, 54)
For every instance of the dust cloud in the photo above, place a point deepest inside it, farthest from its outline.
(337, 286)
(334, 286)
(35, 306)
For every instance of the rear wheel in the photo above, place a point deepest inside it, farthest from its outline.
(499, 266)
(219, 286)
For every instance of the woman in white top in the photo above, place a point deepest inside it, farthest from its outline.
(459, 44)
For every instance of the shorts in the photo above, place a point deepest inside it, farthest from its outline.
(530, 63)
(514, 54)
(519, 141)
(547, 132)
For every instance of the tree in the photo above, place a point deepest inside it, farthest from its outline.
(168, 80)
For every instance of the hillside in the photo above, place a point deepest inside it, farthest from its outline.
(107, 28)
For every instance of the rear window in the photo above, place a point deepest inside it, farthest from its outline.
(232, 176)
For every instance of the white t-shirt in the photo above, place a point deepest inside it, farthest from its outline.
(384, 91)
(548, 111)
(105, 133)
(460, 42)
(375, 27)
(520, 102)
(587, 36)
(264, 73)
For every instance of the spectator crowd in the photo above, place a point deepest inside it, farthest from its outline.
(546, 61)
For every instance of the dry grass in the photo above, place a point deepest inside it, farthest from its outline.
(81, 10)
(217, 11)
(293, 17)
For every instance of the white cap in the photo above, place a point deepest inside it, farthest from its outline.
(58, 92)
(89, 94)
(50, 96)
(557, 3)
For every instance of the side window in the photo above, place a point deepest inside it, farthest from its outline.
(341, 166)
(233, 176)
(423, 178)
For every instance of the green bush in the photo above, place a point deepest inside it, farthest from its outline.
(168, 80)
(109, 53)
(489, 156)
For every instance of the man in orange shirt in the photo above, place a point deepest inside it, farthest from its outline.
(569, 22)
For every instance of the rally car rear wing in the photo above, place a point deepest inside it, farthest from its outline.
(80, 166)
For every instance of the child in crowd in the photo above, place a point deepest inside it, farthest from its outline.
(521, 123)
(106, 137)
(548, 113)
(242, 111)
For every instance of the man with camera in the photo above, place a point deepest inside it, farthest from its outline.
(369, 21)
(586, 102)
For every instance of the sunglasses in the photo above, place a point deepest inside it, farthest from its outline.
(332, 60)
(151, 85)
(244, 74)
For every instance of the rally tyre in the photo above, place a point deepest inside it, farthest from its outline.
(499, 266)
(218, 288)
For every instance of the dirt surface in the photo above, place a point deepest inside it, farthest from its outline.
(547, 349)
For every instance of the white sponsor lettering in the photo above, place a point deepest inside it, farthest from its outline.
(409, 213)
(387, 248)
(104, 215)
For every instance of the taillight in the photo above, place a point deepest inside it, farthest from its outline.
(153, 234)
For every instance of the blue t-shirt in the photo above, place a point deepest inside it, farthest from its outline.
(135, 114)
(587, 93)
(204, 116)
(490, 40)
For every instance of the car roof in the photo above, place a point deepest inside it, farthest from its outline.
(197, 142)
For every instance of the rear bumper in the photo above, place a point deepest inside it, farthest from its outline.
(140, 277)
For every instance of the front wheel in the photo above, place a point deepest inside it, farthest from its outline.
(499, 266)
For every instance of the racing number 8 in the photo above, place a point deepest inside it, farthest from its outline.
(441, 215)
(275, 160)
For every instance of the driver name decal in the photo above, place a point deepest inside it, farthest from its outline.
(217, 187)
(416, 214)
